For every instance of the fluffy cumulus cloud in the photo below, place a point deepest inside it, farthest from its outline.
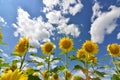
(105, 23)
(39, 30)
(35, 29)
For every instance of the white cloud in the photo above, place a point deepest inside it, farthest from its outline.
(96, 11)
(71, 29)
(2, 20)
(118, 36)
(68, 9)
(50, 4)
(39, 30)
(74, 10)
(36, 29)
(104, 24)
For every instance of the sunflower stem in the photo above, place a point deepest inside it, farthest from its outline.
(113, 60)
(22, 61)
(49, 65)
(66, 63)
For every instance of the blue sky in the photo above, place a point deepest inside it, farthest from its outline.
(48, 20)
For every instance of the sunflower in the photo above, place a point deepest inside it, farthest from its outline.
(1, 36)
(81, 53)
(90, 47)
(22, 46)
(66, 44)
(69, 75)
(45, 75)
(93, 59)
(14, 75)
(114, 49)
(47, 48)
(55, 77)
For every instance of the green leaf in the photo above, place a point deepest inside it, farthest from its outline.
(32, 46)
(14, 54)
(33, 54)
(78, 67)
(100, 74)
(43, 57)
(74, 49)
(55, 59)
(3, 43)
(62, 68)
(39, 64)
(115, 77)
(15, 61)
(63, 52)
(4, 64)
(72, 57)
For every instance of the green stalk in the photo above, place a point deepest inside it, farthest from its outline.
(22, 60)
(113, 60)
(66, 63)
(49, 63)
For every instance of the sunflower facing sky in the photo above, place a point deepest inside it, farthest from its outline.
(114, 49)
(90, 47)
(47, 48)
(14, 75)
(66, 44)
(22, 46)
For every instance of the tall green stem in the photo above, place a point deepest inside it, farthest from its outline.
(49, 63)
(22, 61)
(66, 63)
(113, 60)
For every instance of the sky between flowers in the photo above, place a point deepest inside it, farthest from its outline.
(49, 20)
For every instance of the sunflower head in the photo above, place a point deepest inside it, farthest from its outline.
(55, 77)
(114, 49)
(93, 59)
(1, 36)
(35, 74)
(69, 75)
(14, 75)
(47, 48)
(66, 44)
(22, 46)
(81, 54)
(90, 47)
(45, 75)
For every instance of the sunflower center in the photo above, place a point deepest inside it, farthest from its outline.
(48, 48)
(114, 50)
(66, 44)
(89, 48)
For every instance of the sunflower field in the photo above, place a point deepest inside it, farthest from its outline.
(85, 56)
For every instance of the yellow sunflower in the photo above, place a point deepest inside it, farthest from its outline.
(22, 46)
(45, 75)
(66, 44)
(16, 75)
(55, 77)
(81, 53)
(93, 59)
(1, 36)
(47, 48)
(69, 75)
(90, 47)
(114, 49)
